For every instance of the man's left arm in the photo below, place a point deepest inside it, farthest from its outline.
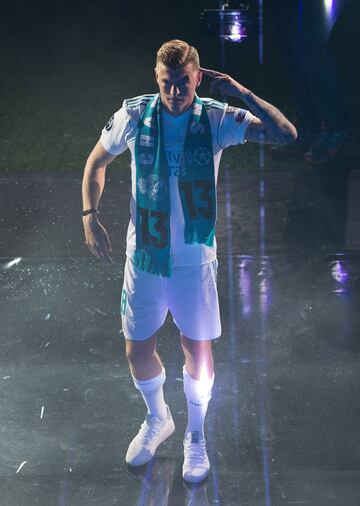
(270, 125)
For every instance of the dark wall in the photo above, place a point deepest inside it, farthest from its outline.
(66, 66)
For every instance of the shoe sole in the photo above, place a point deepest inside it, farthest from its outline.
(195, 479)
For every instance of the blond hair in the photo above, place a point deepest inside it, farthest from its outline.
(176, 53)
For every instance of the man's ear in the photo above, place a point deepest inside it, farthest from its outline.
(155, 73)
(199, 78)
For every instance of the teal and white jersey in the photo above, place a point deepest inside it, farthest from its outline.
(228, 127)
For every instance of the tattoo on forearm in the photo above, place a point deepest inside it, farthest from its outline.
(276, 126)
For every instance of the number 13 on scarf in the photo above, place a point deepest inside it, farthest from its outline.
(156, 220)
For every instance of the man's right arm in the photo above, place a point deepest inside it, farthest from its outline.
(94, 178)
(92, 187)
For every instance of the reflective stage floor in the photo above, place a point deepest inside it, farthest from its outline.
(283, 422)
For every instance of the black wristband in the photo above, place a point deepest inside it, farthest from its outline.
(88, 211)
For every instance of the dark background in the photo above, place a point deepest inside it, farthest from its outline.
(65, 67)
(283, 421)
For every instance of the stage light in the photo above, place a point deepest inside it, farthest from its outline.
(340, 273)
(331, 12)
(329, 5)
(237, 32)
(229, 24)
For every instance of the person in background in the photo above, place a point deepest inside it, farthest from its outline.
(304, 29)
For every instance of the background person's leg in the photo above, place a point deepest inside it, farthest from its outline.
(303, 31)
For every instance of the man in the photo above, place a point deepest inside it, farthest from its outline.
(305, 33)
(176, 140)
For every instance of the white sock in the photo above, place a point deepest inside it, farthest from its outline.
(198, 395)
(153, 395)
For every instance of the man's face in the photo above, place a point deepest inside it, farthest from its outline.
(177, 86)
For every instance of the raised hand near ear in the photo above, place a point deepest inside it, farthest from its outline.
(269, 122)
(223, 83)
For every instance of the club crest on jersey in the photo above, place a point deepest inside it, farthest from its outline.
(153, 186)
(109, 124)
(202, 156)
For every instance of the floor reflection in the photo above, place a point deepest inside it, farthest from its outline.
(283, 423)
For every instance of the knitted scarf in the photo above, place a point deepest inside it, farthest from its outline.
(196, 188)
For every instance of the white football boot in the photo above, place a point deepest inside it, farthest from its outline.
(153, 431)
(196, 465)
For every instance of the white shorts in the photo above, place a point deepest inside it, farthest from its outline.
(190, 294)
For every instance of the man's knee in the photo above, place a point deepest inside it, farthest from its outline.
(198, 355)
(139, 351)
(198, 358)
(195, 348)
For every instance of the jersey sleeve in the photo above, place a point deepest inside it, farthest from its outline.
(116, 131)
(233, 126)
